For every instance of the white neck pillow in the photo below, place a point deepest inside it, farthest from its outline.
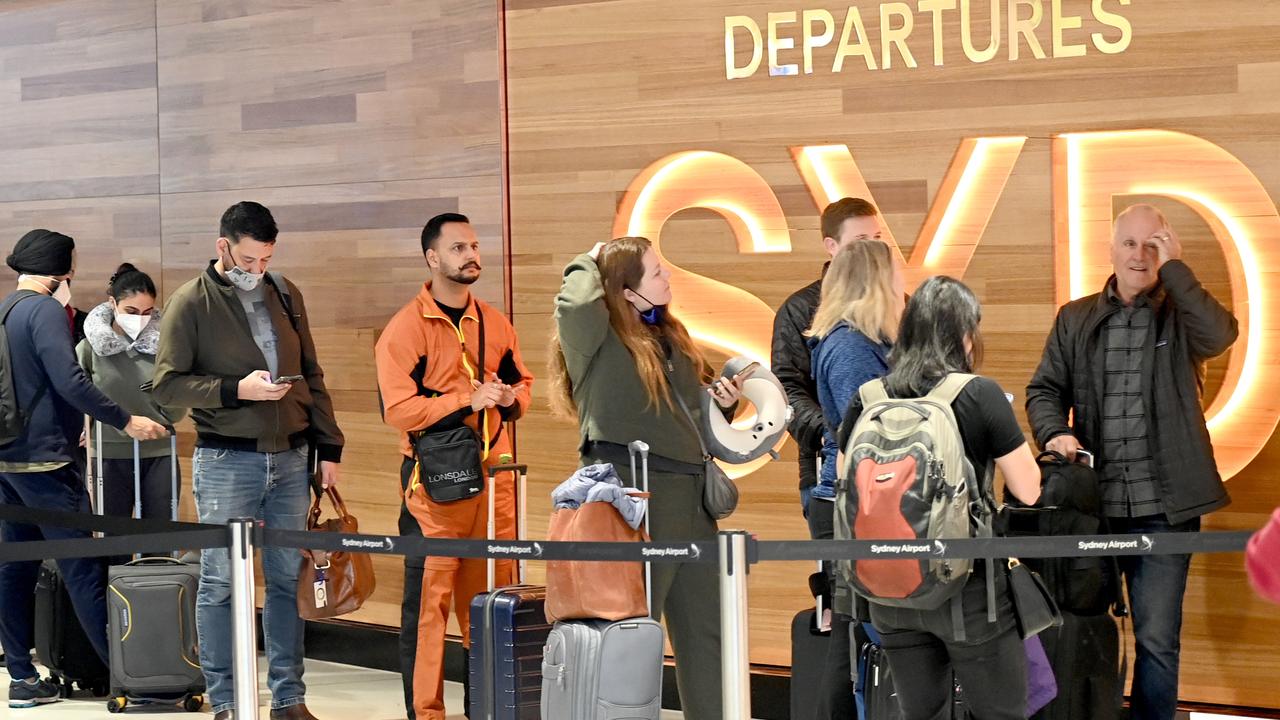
(751, 437)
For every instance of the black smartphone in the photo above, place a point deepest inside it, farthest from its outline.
(287, 379)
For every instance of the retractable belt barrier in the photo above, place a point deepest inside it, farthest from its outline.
(734, 551)
(129, 536)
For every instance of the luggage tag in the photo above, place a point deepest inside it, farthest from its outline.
(322, 595)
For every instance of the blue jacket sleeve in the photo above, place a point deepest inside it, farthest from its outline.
(850, 362)
(51, 337)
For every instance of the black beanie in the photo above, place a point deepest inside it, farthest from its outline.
(42, 252)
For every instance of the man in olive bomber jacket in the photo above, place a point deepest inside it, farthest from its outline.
(236, 348)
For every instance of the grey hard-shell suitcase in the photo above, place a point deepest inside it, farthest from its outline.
(603, 670)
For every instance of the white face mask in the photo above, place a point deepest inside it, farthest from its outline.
(132, 325)
(61, 293)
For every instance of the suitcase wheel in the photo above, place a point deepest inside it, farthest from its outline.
(193, 703)
(117, 704)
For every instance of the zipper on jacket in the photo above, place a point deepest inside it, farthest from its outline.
(416, 481)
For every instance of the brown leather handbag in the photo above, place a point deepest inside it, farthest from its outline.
(592, 589)
(333, 583)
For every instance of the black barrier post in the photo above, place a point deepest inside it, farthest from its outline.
(735, 665)
(244, 646)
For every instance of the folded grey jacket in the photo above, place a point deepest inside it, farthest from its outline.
(600, 483)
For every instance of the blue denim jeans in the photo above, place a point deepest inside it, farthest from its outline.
(275, 488)
(1156, 586)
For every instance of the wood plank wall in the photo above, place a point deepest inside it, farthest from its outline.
(600, 89)
(132, 124)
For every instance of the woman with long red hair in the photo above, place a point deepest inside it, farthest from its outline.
(619, 362)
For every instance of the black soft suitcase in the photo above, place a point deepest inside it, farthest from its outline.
(881, 700)
(808, 655)
(60, 641)
(1085, 655)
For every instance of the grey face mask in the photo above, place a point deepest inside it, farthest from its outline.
(244, 280)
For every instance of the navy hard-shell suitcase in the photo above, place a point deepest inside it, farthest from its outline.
(508, 630)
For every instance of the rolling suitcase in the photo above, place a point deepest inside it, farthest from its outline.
(606, 669)
(508, 630)
(151, 626)
(154, 656)
(60, 641)
(1085, 655)
(810, 641)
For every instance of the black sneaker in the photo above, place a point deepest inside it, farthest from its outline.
(23, 694)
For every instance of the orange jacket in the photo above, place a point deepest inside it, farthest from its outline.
(425, 378)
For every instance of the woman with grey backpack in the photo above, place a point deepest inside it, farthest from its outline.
(970, 635)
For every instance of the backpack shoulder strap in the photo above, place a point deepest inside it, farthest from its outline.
(12, 302)
(286, 298)
(872, 391)
(950, 388)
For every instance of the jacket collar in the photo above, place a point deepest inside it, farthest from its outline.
(216, 277)
(430, 308)
(1153, 298)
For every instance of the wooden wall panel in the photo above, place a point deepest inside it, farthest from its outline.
(600, 90)
(259, 93)
(77, 82)
(132, 125)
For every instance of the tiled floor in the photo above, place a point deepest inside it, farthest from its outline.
(334, 692)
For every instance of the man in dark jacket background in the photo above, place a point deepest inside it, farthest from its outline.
(1128, 365)
(39, 468)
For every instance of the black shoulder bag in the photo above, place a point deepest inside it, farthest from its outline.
(449, 460)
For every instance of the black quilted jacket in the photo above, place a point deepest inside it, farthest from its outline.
(1191, 327)
(789, 357)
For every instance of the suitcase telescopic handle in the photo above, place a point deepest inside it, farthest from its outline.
(517, 468)
(521, 472)
(641, 482)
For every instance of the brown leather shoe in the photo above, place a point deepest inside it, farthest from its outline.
(293, 712)
(225, 715)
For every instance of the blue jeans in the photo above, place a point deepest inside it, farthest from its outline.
(275, 488)
(1156, 586)
(85, 577)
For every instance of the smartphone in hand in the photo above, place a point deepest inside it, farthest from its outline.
(286, 380)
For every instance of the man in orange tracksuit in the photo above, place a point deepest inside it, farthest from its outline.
(429, 379)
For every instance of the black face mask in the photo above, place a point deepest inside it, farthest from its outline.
(654, 314)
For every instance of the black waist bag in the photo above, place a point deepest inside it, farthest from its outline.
(449, 464)
(449, 460)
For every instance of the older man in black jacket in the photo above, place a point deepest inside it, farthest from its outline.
(1128, 365)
